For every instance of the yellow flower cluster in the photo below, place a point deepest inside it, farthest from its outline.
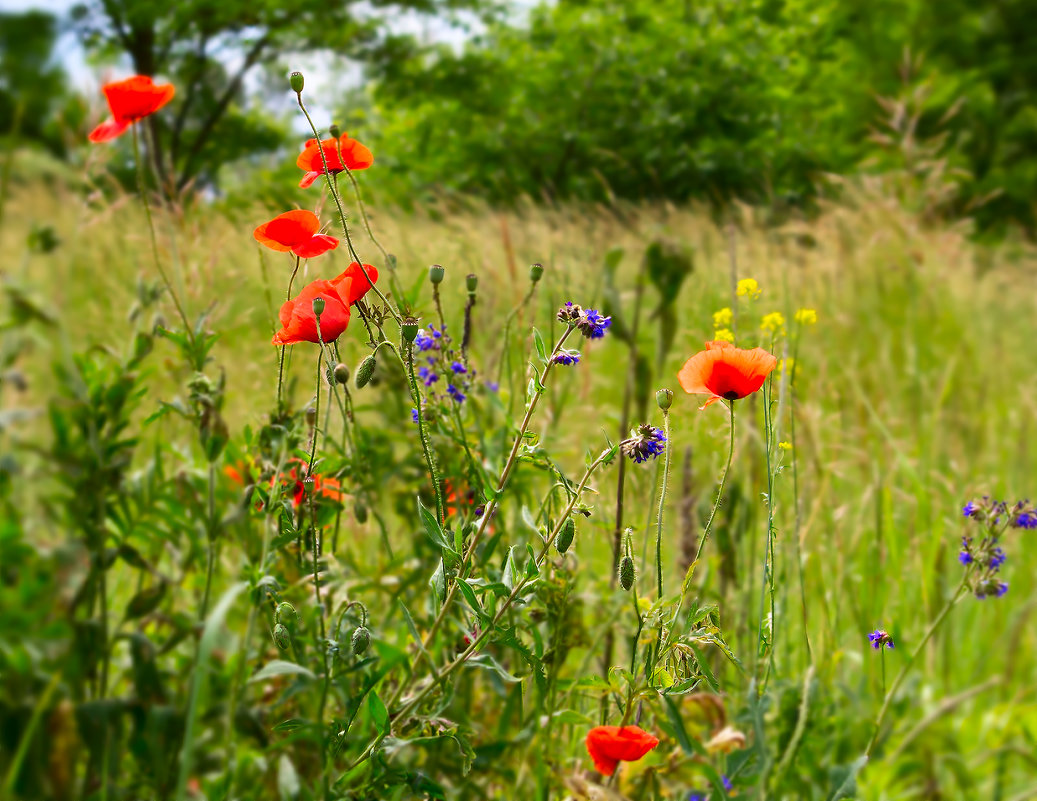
(723, 318)
(748, 288)
(725, 334)
(806, 316)
(773, 322)
(785, 446)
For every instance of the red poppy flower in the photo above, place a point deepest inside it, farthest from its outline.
(291, 481)
(610, 745)
(725, 372)
(354, 156)
(298, 322)
(295, 231)
(355, 281)
(129, 101)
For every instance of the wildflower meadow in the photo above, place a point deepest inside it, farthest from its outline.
(337, 499)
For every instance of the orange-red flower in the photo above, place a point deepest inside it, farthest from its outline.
(354, 156)
(298, 322)
(129, 101)
(610, 745)
(295, 231)
(725, 372)
(291, 481)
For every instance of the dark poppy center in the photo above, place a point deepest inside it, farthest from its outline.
(731, 395)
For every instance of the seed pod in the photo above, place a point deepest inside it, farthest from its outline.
(296, 81)
(565, 536)
(409, 329)
(334, 130)
(311, 416)
(626, 573)
(341, 373)
(361, 639)
(436, 274)
(365, 371)
(318, 306)
(286, 613)
(282, 637)
(536, 272)
(471, 282)
(360, 510)
(664, 398)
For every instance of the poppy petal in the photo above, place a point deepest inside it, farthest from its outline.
(356, 155)
(315, 246)
(361, 280)
(108, 130)
(308, 179)
(287, 230)
(136, 97)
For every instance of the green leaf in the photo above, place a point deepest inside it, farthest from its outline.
(487, 662)
(379, 714)
(432, 527)
(145, 601)
(280, 667)
(844, 779)
(538, 341)
(511, 571)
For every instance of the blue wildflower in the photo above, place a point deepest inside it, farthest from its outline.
(645, 443)
(880, 637)
(414, 416)
(1002, 588)
(1026, 520)
(566, 357)
(493, 386)
(727, 783)
(997, 558)
(458, 368)
(694, 795)
(965, 558)
(455, 393)
(423, 341)
(427, 376)
(592, 324)
(970, 509)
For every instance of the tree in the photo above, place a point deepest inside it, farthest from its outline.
(208, 47)
(31, 83)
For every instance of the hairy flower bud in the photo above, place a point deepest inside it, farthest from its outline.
(360, 511)
(410, 329)
(536, 272)
(664, 398)
(341, 373)
(282, 637)
(436, 273)
(565, 536)
(365, 371)
(626, 573)
(335, 131)
(361, 639)
(286, 613)
(296, 81)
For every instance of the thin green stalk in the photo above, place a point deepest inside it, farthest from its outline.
(142, 189)
(720, 489)
(911, 660)
(426, 446)
(210, 531)
(662, 503)
(280, 367)
(767, 586)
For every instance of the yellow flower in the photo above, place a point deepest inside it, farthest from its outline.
(785, 446)
(748, 287)
(725, 334)
(790, 365)
(773, 322)
(723, 318)
(806, 316)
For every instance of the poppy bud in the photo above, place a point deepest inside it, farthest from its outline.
(471, 282)
(286, 613)
(341, 373)
(318, 306)
(282, 637)
(361, 639)
(361, 513)
(626, 573)
(436, 273)
(311, 416)
(664, 398)
(365, 371)
(296, 81)
(410, 329)
(334, 130)
(565, 536)
(536, 272)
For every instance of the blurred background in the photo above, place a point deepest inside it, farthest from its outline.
(585, 100)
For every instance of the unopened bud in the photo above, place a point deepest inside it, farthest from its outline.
(436, 273)
(365, 371)
(410, 329)
(565, 536)
(536, 272)
(471, 282)
(341, 373)
(360, 511)
(664, 398)
(318, 306)
(334, 130)
(626, 573)
(311, 416)
(282, 637)
(361, 639)
(286, 613)
(296, 81)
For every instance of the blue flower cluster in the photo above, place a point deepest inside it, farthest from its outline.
(879, 638)
(646, 442)
(566, 357)
(589, 322)
(982, 555)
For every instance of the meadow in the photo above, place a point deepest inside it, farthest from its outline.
(163, 635)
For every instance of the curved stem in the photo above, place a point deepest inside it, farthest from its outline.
(720, 489)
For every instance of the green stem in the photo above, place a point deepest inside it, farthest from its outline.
(280, 367)
(426, 448)
(768, 556)
(662, 503)
(210, 531)
(911, 660)
(720, 489)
